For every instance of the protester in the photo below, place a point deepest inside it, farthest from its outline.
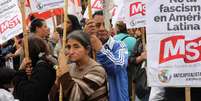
(39, 27)
(131, 32)
(7, 49)
(138, 73)
(36, 77)
(112, 55)
(72, 25)
(122, 35)
(6, 76)
(10, 54)
(84, 79)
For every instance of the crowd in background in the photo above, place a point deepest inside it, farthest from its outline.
(96, 64)
(108, 76)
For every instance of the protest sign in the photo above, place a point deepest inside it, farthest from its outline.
(174, 42)
(10, 20)
(134, 13)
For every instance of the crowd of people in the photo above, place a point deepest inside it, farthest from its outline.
(95, 65)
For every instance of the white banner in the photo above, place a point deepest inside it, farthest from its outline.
(74, 6)
(134, 13)
(97, 5)
(10, 20)
(174, 42)
(45, 5)
(118, 9)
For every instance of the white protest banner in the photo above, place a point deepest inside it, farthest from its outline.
(10, 20)
(134, 13)
(117, 11)
(41, 6)
(75, 8)
(97, 5)
(45, 5)
(174, 42)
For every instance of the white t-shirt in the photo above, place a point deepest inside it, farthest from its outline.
(6, 96)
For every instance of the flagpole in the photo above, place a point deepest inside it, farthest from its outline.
(90, 18)
(65, 23)
(89, 10)
(64, 41)
(25, 34)
(60, 93)
(187, 94)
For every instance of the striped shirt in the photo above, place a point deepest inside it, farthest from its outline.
(87, 85)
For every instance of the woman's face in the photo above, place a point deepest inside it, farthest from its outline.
(75, 50)
(43, 30)
(69, 26)
(139, 32)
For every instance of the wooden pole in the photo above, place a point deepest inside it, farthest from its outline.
(188, 93)
(143, 37)
(64, 40)
(26, 35)
(89, 10)
(65, 23)
(90, 18)
(60, 93)
(133, 91)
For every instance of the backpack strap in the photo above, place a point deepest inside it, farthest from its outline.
(124, 37)
(40, 61)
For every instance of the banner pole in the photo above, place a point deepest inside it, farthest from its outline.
(90, 18)
(60, 93)
(65, 23)
(188, 93)
(133, 91)
(89, 10)
(64, 41)
(144, 38)
(26, 35)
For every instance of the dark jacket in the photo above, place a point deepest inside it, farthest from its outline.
(37, 87)
(136, 73)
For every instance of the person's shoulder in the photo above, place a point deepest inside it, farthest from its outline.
(41, 62)
(3, 92)
(45, 65)
(6, 96)
(119, 44)
(96, 66)
(132, 38)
